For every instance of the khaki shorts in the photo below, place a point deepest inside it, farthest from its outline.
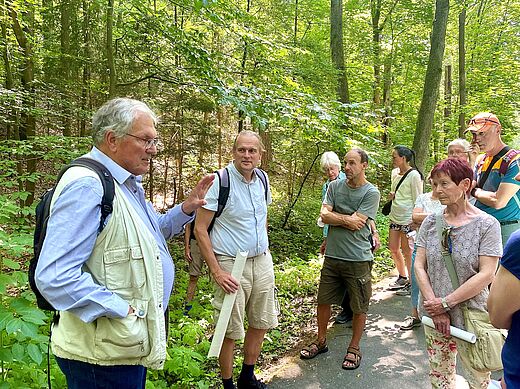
(195, 266)
(354, 277)
(256, 296)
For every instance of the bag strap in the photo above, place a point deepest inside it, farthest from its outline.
(223, 192)
(402, 179)
(483, 178)
(446, 255)
(107, 182)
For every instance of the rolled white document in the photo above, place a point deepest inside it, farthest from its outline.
(457, 332)
(227, 306)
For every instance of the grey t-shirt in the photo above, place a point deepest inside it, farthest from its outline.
(342, 243)
(481, 236)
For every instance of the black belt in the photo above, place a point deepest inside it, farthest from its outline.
(507, 222)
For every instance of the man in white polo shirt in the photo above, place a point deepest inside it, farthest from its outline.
(242, 226)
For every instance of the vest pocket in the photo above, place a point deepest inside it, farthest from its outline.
(123, 338)
(124, 268)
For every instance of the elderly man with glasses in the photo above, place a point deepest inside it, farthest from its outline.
(112, 287)
(495, 188)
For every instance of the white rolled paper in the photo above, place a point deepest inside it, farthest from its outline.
(457, 332)
(227, 306)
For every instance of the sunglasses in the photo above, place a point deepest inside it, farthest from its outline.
(446, 242)
(483, 121)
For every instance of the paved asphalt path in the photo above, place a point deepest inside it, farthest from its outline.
(392, 359)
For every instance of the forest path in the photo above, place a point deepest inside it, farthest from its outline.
(391, 358)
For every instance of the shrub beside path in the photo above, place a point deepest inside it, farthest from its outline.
(392, 358)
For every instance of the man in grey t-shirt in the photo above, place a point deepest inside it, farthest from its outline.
(348, 207)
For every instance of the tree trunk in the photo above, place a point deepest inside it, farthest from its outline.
(295, 21)
(267, 157)
(28, 121)
(9, 79)
(424, 125)
(387, 100)
(219, 129)
(180, 153)
(462, 73)
(65, 64)
(241, 113)
(375, 6)
(447, 91)
(85, 82)
(110, 51)
(336, 48)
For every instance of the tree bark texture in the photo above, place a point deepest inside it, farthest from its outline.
(447, 91)
(10, 130)
(375, 6)
(424, 125)
(65, 58)
(336, 49)
(462, 72)
(27, 126)
(85, 82)
(111, 68)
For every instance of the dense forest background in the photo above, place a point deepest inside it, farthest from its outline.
(308, 75)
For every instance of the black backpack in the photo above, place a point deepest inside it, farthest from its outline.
(223, 194)
(43, 211)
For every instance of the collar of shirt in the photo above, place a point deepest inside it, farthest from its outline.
(233, 170)
(120, 174)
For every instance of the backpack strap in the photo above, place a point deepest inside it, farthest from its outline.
(506, 161)
(107, 182)
(484, 176)
(263, 177)
(223, 190)
(223, 194)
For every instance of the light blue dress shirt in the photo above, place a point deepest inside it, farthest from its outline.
(71, 235)
(242, 226)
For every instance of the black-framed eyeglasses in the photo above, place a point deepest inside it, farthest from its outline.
(447, 244)
(147, 142)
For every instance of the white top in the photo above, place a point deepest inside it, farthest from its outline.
(428, 205)
(404, 200)
(242, 226)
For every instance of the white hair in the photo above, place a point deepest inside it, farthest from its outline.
(459, 142)
(329, 159)
(117, 115)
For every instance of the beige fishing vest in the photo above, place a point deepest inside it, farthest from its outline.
(126, 261)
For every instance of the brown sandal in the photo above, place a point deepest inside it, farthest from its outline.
(355, 361)
(313, 349)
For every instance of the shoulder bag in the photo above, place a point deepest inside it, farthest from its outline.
(485, 353)
(388, 205)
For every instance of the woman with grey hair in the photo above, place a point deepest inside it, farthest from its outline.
(461, 149)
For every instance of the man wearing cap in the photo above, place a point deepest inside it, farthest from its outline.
(495, 188)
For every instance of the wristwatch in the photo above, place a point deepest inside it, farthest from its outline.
(445, 304)
(473, 191)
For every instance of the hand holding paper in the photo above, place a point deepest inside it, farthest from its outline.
(457, 332)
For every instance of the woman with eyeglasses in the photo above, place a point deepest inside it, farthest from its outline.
(472, 238)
